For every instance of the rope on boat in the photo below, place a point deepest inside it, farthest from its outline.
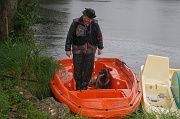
(11, 77)
(121, 62)
(135, 99)
(106, 109)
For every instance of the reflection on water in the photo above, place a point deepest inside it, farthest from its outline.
(132, 29)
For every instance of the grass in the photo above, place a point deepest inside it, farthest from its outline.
(23, 64)
(154, 115)
(12, 105)
(19, 60)
(25, 61)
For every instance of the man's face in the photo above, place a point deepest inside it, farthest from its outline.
(87, 19)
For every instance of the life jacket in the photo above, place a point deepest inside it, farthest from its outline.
(83, 33)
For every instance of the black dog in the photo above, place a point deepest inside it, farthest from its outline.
(101, 80)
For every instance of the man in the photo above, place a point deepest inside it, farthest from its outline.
(84, 36)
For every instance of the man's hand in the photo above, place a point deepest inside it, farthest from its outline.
(68, 53)
(99, 51)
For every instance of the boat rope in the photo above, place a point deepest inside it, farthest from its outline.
(127, 68)
(94, 108)
(135, 98)
(91, 107)
(11, 77)
(120, 62)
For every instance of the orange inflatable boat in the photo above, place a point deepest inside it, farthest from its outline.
(121, 100)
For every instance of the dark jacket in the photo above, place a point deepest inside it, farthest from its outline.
(79, 34)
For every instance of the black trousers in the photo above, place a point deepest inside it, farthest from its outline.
(83, 68)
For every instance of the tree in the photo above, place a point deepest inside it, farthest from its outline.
(8, 9)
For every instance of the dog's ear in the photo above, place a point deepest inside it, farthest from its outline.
(101, 71)
(109, 69)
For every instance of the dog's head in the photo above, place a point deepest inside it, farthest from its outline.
(103, 72)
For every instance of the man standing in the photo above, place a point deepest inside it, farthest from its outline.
(84, 36)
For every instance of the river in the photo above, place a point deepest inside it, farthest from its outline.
(131, 29)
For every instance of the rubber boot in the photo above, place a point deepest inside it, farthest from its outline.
(78, 85)
(84, 85)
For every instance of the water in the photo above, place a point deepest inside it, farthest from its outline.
(132, 29)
